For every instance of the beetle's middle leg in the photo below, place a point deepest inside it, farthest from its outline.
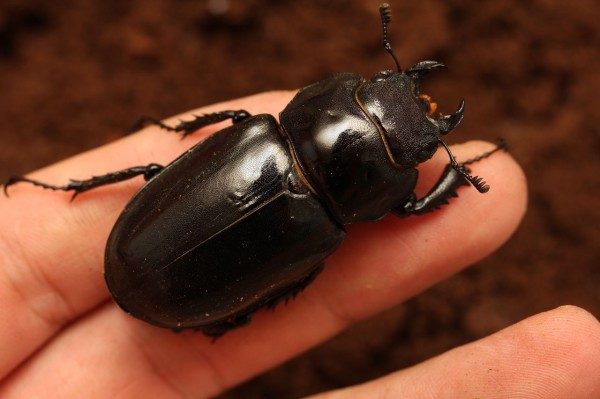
(199, 121)
(452, 178)
(439, 195)
(80, 186)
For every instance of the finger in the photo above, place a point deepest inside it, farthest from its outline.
(52, 249)
(551, 355)
(380, 265)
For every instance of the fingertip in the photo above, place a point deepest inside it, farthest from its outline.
(504, 174)
(555, 354)
(568, 334)
(479, 222)
(501, 209)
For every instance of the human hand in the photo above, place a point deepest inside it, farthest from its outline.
(62, 336)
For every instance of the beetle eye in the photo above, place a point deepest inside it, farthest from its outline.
(382, 75)
(428, 104)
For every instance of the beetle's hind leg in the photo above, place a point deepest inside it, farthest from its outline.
(293, 290)
(219, 330)
(79, 186)
(287, 294)
(199, 121)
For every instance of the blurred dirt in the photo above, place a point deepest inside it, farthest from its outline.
(75, 75)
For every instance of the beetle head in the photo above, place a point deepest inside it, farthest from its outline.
(410, 127)
(408, 122)
(406, 118)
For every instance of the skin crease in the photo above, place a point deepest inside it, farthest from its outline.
(67, 337)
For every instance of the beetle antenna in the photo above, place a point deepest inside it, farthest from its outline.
(476, 181)
(386, 16)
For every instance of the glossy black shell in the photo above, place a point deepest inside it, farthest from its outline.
(225, 229)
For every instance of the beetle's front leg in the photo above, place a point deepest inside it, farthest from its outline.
(199, 121)
(454, 175)
(444, 189)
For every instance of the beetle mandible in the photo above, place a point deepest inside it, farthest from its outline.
(246, 218)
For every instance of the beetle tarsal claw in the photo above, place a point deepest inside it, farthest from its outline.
(449, 122)
(476, 181)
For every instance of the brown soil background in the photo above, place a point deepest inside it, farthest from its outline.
(75, 75)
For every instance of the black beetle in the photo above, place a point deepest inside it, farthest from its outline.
(245, 218)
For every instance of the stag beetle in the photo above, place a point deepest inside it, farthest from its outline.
(246, 218)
